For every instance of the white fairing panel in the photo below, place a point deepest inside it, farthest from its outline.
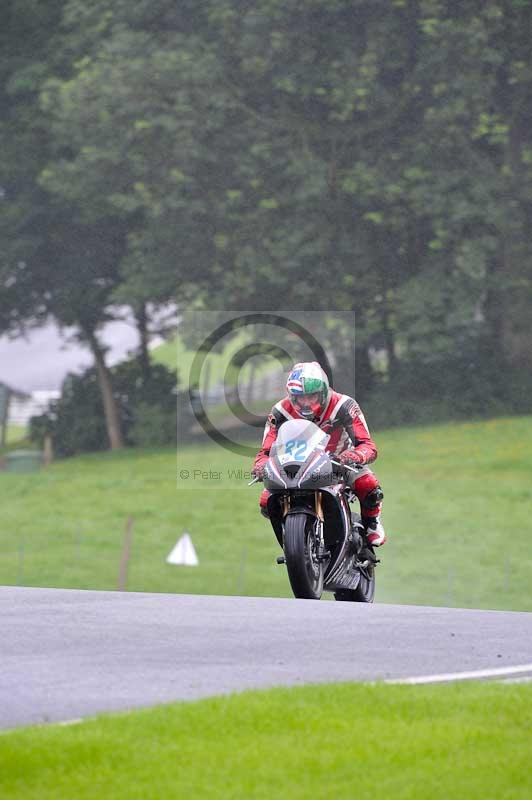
(296, 440)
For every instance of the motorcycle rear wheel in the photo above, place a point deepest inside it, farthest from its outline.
(304, 571)
(364, 593)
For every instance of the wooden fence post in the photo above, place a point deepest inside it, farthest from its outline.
(126, 553)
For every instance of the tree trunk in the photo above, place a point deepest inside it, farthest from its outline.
(112, 416)
(364, 377)
(144, 354)
(494, 309)
(512, 317)
(4, 414)
(508, 304)
(389, 345)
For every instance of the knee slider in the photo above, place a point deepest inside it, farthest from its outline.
(373, 498)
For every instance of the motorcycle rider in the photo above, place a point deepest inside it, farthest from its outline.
(310, 397)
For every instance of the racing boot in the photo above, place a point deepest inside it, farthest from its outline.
(263, 503)
(375, 534)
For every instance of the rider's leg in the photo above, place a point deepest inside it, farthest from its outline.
(370, 495)
(263, 503)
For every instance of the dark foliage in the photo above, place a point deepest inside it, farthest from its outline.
(76, 421)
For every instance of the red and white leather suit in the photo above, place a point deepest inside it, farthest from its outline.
(344, 421)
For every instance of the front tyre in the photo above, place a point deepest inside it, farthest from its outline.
(305, 572)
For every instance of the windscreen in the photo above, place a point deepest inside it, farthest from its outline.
(296, 440)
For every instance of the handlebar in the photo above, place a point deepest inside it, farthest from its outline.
(346, 467)
(338, 464)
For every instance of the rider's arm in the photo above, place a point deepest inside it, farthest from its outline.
(355, 424)
(269, 437)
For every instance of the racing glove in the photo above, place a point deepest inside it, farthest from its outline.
(351, 458)
(258, 469)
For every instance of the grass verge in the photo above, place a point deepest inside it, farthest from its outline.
(353, 740)
(16, 438)
(177, 356)
(16, 433)
(457, 500)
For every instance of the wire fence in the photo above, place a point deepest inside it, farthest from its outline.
(84, 558)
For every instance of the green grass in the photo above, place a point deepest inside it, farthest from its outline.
(16, 433)
(16, 438)
(370, 742)
(175, 355)
(457, 510)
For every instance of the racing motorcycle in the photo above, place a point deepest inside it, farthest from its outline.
(322, 539)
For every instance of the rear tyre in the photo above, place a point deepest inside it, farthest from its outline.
(305, 572)
(364, 593)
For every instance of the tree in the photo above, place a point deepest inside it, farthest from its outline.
(339, 155)
(53, 262)
(27, 41)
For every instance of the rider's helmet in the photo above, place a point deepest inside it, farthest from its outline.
(308, 389)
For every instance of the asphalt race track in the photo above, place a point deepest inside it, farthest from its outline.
(69, 654)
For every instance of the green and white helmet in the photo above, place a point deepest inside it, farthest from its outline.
(308, 389)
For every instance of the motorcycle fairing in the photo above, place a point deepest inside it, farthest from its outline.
(339, 573)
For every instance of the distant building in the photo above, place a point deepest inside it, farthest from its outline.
(21, 409)
(8, 397)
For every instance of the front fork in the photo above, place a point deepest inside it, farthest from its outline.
(318, 507)
(321, 553)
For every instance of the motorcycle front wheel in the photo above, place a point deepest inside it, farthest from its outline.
(305, 572)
